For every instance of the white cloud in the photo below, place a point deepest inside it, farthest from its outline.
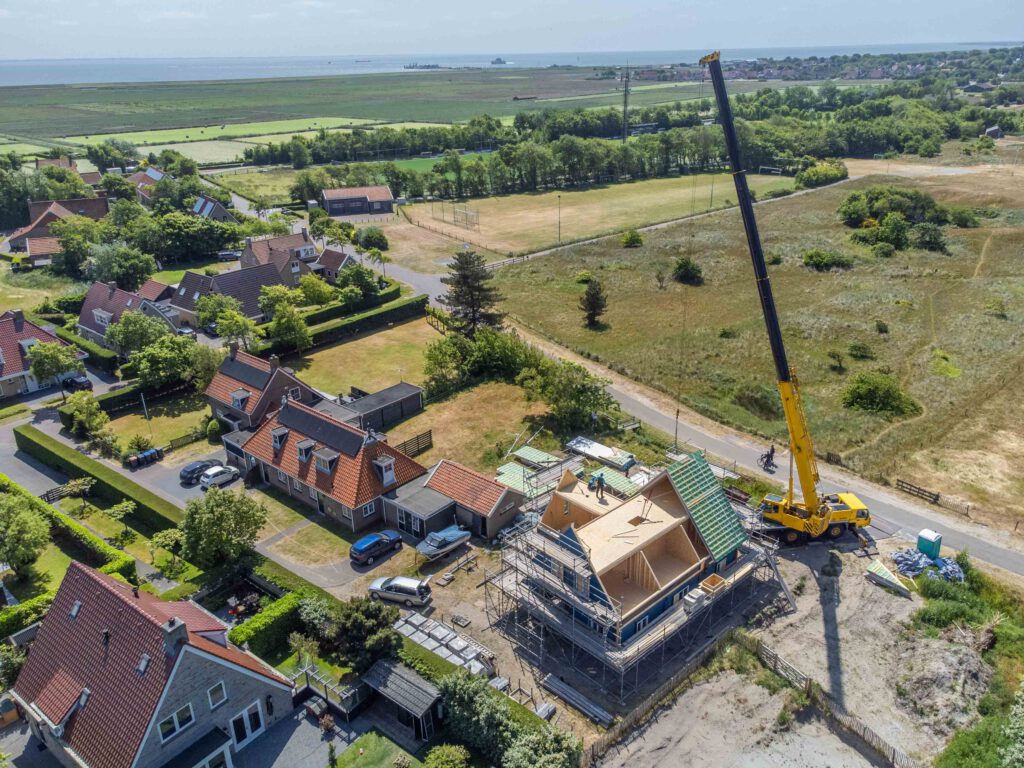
(182, 15)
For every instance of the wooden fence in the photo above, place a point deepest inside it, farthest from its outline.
(57, 493)
(832, 710)
(414, 446)
(934, 497)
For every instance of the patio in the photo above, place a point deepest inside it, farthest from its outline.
(295, 740)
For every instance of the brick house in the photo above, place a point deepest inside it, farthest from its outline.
(17, 336)
(241, 284)
(144, 180)
(246, 387)
(57, 162)
(42, 213)
(333, 260)
(206, 207)
(333, 467)
(353, 201)
(41, 250)
(292, 255)
(103, 306)
(452, 493)
(117, 678)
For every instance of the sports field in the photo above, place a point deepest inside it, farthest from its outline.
(135, 110)
(223, 130)
(944, 324)
(526, 223)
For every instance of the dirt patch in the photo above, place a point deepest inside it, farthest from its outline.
(941, 683)
(730, 721)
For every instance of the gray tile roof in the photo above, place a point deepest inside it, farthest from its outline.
(241, 371)
(323, 429)
(244, 285)
(403, 686)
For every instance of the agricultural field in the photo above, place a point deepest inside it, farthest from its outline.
(529, 222)
(21, 148)
(271, 183)
(204, 152)
(135, 109)
(370, 362)
(926, 317)
(226, 130)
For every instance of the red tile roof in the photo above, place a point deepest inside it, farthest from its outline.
(92, 178)
(92, 207)
(70, 655)
(466, 486)
(377, 193)
(42, 246)
(354, 480)
(151, 290)
(14, 330)
(52, 213)
(334, 259)
(224, 383)
(60, 162)
(277, 249)
(108, 298)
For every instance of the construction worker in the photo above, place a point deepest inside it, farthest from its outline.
(600, 486)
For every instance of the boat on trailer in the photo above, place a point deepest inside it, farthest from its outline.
(440, 543)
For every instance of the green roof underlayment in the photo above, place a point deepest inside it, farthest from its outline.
(709, 507)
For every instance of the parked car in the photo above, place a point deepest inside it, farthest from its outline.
(401, 589)
(210, 330)
(78, 383)
(374, 545)
(218, 476)
(190, 473)
(186, 331)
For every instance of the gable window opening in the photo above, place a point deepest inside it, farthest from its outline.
(294, 393)
(179, 721)
(217, 695)
(368, 509)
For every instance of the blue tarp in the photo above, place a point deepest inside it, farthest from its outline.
(912, 562)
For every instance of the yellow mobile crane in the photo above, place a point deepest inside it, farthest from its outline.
(816, 515)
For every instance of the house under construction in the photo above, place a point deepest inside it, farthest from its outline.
(623, 586)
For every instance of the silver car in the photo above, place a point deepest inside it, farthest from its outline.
(401, 589)
(217, 476)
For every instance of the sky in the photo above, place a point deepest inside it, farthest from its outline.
(191, 28)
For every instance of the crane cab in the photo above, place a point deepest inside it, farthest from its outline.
(836, 513)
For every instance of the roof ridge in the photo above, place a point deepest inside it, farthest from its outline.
(114, 587)
(326, 416)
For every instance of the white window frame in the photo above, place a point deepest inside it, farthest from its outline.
(295, 393)
(102, 317)
(244, 714)
(178, 728)
(417, 526)
(312, 493)
(299, 486)
(368, 509)
(209, 695)
(641, 624)
(282, 476)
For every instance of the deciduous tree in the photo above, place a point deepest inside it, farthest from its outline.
(48, 360)
(135, 331)
(210, 307)
(315, 290)
(234, 326)
(289, 329)
(164, 361)
(119, 263)
(23, 532)
(87, 418)
(220, 526)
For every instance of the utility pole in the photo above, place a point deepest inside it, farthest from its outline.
(559, 219)
(625, 105)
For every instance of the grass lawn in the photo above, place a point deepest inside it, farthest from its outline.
(377, 751)
(322, 541)
(222, 131)
(167, 419)
(370, 362)
(425, 251)
(282, 512)
(48, 569)
(673, 339)
(271, 183)
(20, 148)
(213, 151)
(529, 222)
(331, 668)
(173, 276)
(13, 411)
(24, 290)
(477, 426)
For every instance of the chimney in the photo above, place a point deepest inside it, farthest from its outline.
(275, 361)
(305, 233)
(19, 320)
(232, 349)
(106, 637)
(112, 286)
(135, 592)
(248, 242)
(175, 633)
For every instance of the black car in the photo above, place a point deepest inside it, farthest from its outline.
(190, 473)
(78, 384)
(210, 330)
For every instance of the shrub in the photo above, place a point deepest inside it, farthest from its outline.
(963, 217)
(836, 365)
(929, 148)
(139, 443)
(99, 357)
(688, 271)
(879, 392)
(860, 351)
(879, 201)
(632, 239)
(822, 173)
(823, 261)
(881, 326)
(929, 237)
(883, 250)
(153, 512)
(760, 400)
(213, 430)
(268, 630)
(447, 756)
(584, 276)
(371, 237)
(728, 333)
(338, 309)
(775, 259)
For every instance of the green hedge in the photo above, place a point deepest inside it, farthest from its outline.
(268, 630)
(336, 310)
(113, 559)
(151, 512)
(102, 358)
(71, 304)
(396, 311)
(15, 618)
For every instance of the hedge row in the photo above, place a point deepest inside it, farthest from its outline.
(113, 559)
(268, 630)
(15, 618)
(102, 358)
(396, 311)
(336, 310)
(152, 513)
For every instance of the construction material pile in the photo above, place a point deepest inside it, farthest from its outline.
(913, 562)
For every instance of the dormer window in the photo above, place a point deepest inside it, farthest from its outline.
(26, 345)
(102, 317)
(278, 436)
(305, 448)
(295, 393)
(386, 468)
(239, 398)
(325, 460)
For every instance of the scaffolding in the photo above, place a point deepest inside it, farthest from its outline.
(554, 626)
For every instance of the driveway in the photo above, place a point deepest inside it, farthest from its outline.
(24, 749)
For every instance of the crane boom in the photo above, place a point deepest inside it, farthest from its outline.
(799, 436)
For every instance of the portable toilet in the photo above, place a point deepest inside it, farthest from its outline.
(929, 542)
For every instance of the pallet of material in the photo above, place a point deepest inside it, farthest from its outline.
(534, 458)
(571, 696)
(882, 576)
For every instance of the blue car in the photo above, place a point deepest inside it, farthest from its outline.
(374, 545)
